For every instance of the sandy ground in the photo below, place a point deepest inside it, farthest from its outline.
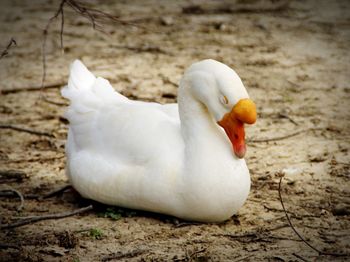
(295, 63)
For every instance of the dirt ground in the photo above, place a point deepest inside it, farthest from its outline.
(294, 59)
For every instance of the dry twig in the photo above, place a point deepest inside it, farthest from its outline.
(13, 194)
(284, 115)
(93, 15)
(259, 235)
(195, 253)
(34, 219)
(56, 103)
(9, 175)
(178, 224)
(32, 88)
(262, 140)
(53, 193)
(45, 32)
(245, 258)
(300, 257)
(56, 192)
(297, 233)
(143, 48)
(16, 192)
(34, 159)
(166, 80)
(120, 255)
(238, 8)
(7, 48)
(26, 130)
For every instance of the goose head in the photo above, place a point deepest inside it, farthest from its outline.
(222, 92)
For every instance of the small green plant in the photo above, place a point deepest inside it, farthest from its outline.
(113, 214)
(96, 233)
(116, 213)
(110, 213)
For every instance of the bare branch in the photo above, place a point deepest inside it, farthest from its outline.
(300, 257)
(93, 15)
(120, 255)
(284, 115)
(195, 253)
(45, 32)
(245, 258)
(62, 28)
(7, 48)
(34, 159)
(8, 175)
(49, 101)
(144, 48)
(16, 192)
(262, 140)
(237, 8)
(34, 219)
(41, 158)
(32, 88)
(26, 130)
(296, 232)
(56, 192)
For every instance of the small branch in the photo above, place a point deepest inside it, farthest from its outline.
(93, 15)
(7, 48)
(120, 255)
(26, 130)
(12, 194)
(16, 192)
(17, 175)
(283, 115)
(49, 101)
(300, 257)
(190, 256)
(34, 219)
(143, 48)
(9, 193)
(62, 25)
(296, 232)
(45, 32)
(56, 192)
(178, 224)
(20, 207)
(238, 8)
(249, 236)
(245, 258)
(32, 88)
(166, 80)
(262, 140)
(35, 159)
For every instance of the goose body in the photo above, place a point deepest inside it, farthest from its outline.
(171, 159)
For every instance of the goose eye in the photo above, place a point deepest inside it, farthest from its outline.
(224, 100)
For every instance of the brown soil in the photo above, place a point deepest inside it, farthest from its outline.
(294, 60)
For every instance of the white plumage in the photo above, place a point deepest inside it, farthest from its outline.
(160, 158)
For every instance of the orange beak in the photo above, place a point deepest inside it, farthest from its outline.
(244, 112)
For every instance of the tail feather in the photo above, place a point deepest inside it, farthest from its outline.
(88, 97)
(83, 87)
(80, 77)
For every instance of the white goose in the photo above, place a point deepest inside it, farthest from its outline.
(172, 159)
